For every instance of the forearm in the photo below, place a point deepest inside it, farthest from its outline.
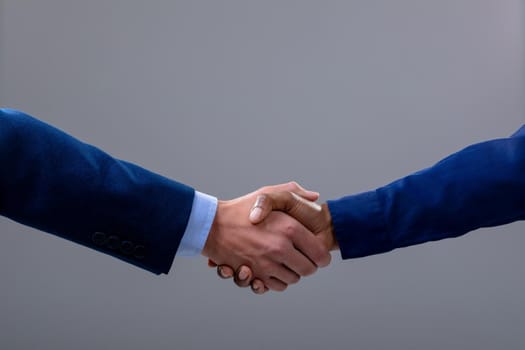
(60, 185)
(480, 186)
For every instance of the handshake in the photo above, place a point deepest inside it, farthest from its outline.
(270, 238)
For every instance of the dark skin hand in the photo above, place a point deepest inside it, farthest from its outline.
(313, 216)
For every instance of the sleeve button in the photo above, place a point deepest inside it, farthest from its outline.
(139, 252)
(113, 242)
(127, 247)
(99, 238)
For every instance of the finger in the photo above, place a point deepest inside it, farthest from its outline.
(312, 249)
(302, 210)
(299, 263)
(211, 263)
(294, 187)
(309, 215)
(276, 285)
(243, 276)
(258, 286)
(285, 275)
(262, 207)
(302, 192)
(224, 271)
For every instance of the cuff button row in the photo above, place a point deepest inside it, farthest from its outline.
(113, 242)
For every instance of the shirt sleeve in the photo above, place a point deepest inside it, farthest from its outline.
(482, 185)
(199, 224)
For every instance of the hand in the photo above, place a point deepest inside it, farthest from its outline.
(279, 250)
(315, 217)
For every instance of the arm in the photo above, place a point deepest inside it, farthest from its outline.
(57, 184)
(280, 250)
(480, 186)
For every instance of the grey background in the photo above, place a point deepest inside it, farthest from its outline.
(227, 96)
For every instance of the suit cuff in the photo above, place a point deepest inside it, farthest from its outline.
(359, 225)
(201, 218)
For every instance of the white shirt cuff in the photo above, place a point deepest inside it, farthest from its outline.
(201, 218)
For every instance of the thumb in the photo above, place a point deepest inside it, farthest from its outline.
(302, 210)
(294, 187)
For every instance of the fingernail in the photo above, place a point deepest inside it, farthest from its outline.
(255, 213)
(221, 271)
(312, 205)
(243, 275)
(259, 201)
(315, 206)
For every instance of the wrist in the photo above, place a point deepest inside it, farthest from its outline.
(211, 242)
(327, 233)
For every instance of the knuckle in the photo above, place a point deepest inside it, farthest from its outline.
(308, 270)
(321, 257)
(295, 279)
(278, 248)
(291, 229)
(293, 185)
(324, 259)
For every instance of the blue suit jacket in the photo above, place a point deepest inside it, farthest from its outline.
(480, 186)
(58, 184)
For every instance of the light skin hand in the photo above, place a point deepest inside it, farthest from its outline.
(279, 250)
(315, 217)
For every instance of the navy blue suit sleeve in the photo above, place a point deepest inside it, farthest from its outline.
(55, 183)
(480, 186)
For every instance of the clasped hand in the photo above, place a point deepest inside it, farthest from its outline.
(270, 238)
